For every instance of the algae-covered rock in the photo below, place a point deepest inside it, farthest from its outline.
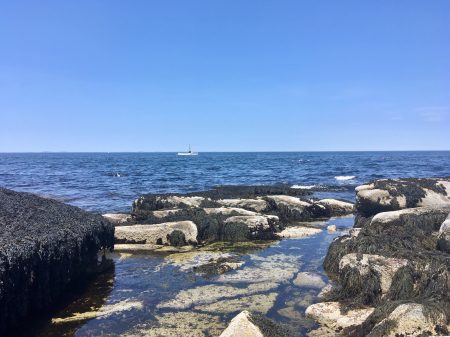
(397, 261)
(255, 205)
(45, 247)
(394, 194)
(245, 227)
(411, 319)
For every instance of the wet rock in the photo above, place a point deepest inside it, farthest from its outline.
(255, 205)
(218, 266)
(157, 234)
(298, 232)
(411, 319)
(118, 218)
(241, 326)
(389, 195)
(329, 314)
(336, 207)
(45, 245)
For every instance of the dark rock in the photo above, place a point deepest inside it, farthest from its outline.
(177, 239)
(45, 246)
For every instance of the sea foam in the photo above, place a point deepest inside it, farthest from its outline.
(303, 187)
(344, 177)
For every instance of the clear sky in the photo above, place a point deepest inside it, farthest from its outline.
(224, 75)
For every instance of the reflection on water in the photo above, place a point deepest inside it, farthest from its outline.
(160, 295)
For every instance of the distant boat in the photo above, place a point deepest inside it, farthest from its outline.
(188, 153)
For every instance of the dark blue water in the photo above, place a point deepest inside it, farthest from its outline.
(110, 181)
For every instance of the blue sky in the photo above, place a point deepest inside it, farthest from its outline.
(224, 75)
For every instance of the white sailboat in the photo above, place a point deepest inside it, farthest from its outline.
(188, 153)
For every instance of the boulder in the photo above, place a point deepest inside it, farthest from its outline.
(336, 207)
(162, 234)
(255, 205)
(394, 194)
(288, 207)
(331, 228)
(298, 232)
(149, 203)
(329, 314)
(427, 219)
(411, 319)
(241, 326)
(45, 246)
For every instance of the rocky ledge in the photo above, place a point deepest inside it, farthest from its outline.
(44, 247)
(230, 213)
(391, 274)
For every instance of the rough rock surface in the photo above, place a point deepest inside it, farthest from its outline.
(158, 234)
(237, 213)
(330, 315)
(44, 246)
(410, 319)
(118, 218)
(394, 194)
(397, 261)
(309, 280)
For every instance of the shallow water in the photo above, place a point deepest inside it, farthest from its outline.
(164, 297)
(108, 182)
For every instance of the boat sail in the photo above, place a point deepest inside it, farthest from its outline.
(188, 153)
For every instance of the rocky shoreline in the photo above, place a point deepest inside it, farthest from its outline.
(390, 275)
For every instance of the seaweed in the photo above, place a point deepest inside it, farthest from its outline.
(45, 247)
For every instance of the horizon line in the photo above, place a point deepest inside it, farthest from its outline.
(248, 151)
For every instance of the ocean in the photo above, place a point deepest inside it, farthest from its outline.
(159, 294)
(109, 182)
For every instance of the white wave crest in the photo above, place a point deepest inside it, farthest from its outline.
(344, 177)
(303, 187)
